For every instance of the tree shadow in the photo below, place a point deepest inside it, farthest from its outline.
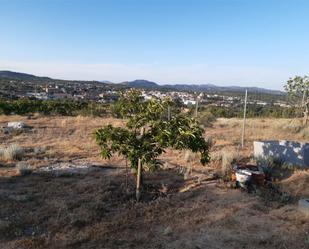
(286, 151)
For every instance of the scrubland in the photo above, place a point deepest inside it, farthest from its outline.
(95, 207)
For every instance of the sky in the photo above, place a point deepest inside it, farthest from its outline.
(224, 42)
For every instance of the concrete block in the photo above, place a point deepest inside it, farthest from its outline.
(288, 151)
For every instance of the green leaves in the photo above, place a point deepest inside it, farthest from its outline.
(297, 86)
(179, 132)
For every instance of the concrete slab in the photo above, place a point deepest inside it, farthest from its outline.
(288, 151)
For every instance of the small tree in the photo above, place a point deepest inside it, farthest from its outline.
(159, 133)
(299, 87)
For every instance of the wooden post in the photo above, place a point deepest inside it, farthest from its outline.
(196, 107)
(244, 122)
(139, 173)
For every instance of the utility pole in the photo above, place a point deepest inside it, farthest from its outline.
(244, 122)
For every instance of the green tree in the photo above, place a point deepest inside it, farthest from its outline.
(299, 87)
(148, 133)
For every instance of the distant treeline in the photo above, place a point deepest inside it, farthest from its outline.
(252, 111)
(27, 106)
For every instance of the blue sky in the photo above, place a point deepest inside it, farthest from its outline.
(225, 42)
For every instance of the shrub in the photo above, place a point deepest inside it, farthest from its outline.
(206, 119)
(12, 152)
(24, 169)
(294, 126)
(65, 107)
(228, 158)
(305, 132)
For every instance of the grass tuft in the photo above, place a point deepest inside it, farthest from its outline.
(12, 152)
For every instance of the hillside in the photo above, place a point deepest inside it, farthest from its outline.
(21, 76)
(141, 84)
(145, 84)
(214, 88)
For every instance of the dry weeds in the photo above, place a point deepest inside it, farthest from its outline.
(95, 210)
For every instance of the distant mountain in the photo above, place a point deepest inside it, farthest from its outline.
(141, 84)
(106, 81)
(214, 88)
(145, 84)
(21, 76)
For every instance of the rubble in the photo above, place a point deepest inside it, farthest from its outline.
(69, 168)
(15, 126)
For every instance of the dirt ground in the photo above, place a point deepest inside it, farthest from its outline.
(95, 208)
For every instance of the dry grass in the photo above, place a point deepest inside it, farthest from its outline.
(227, 132)
(61, 138)
(68, 138)
(96, 210)
(12, 152)
(23, 168)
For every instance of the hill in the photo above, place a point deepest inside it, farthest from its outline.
(214, 88)
(144, 84)
(141, 84)
(21, 76)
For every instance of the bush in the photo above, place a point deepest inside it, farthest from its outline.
(63, 107)
(228, 158)
(293, 126)
(12, 152)
(24, 169)
(206, 119)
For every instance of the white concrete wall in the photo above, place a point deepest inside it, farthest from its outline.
(287, 151)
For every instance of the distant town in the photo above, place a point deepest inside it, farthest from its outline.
(18, 85)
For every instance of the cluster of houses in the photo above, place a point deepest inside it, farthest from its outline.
(108, 94)
(53, 90)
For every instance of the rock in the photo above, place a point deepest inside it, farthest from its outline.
(167, 231)
(7, 130)
(16, 125)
